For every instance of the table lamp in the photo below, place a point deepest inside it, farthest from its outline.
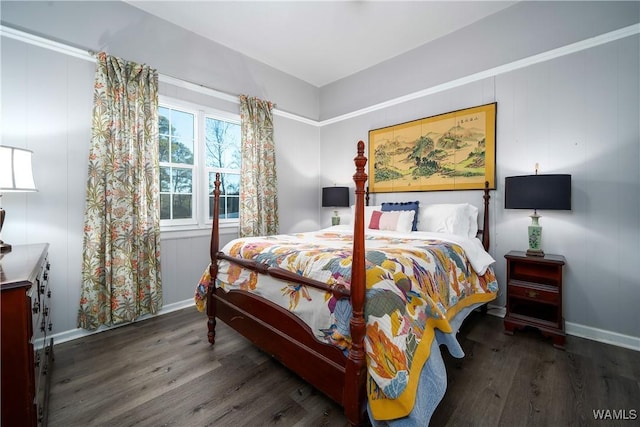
(16, 176)
(551, 192)
(337, 197)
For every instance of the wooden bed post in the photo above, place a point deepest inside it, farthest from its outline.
(485, 220)
(354, 393)
(213, 266)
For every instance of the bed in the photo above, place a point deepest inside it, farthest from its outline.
(419, 287)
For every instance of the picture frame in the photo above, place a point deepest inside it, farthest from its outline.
(450, 151)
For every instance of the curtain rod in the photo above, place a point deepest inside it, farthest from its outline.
(88, 55)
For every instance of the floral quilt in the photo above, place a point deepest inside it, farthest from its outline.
(413, 286)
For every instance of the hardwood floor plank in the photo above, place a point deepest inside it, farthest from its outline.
(163, 372)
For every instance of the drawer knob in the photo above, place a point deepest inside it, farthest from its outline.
(532, 294)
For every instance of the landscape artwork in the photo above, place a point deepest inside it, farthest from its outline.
(452, 151)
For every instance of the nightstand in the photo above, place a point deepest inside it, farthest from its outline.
(534, 294)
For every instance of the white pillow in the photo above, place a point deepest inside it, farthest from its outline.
(368, 210)
(445, 218)
(392, 220)
(472, 213)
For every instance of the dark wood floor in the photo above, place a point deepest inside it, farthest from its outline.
(162, 372)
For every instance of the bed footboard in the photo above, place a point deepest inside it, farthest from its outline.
(286, 337)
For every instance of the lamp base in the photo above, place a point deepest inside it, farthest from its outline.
(535, 252)
(4, 247)
(535, 237)
(335, 219)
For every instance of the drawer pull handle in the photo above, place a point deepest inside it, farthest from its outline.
(532, 294)
(49, 293)
(50, 326)
(36, 307)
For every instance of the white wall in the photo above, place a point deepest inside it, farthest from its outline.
(577, 113)
(47, 99)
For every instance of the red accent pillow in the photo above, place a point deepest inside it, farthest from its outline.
(374, 224)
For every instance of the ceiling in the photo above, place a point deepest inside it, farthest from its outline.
(321, 41)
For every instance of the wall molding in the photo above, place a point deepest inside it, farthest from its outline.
(174, 81)
(522, 63)
(600, 335)
(495, 71)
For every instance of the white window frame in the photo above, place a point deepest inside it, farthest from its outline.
(200, 203)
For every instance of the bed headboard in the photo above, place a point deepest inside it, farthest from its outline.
(483, 231)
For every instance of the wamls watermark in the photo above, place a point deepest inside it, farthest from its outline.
(615, 414)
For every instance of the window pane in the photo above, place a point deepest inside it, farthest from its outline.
(165, 206)
(233, 207)
(222, 144)
(182, 124)
(230, 184)
(163, 148)
(229, 195)
(181, 206)
(165, 179)
(164, 124)
(182, 151)
(182, 181)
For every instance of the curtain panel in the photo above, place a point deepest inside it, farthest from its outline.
(258, 182)
(121, 249)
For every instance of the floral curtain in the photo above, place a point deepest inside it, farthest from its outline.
(258, 183)
(121, 250)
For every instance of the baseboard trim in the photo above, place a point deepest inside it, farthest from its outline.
(588, 332)
(600, 335)
(73, 334)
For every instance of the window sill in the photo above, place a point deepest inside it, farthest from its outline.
(186, 232)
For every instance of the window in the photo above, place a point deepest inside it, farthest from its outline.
(187, 176)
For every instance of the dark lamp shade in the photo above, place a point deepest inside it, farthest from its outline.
(335, 197)
(546, 192)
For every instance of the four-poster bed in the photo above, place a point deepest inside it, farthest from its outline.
(340, 370)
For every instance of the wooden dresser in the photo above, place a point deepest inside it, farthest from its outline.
(27, 348)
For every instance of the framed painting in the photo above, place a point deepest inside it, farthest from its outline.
(451, 151)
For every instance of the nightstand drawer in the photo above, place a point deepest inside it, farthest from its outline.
(534, 292)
